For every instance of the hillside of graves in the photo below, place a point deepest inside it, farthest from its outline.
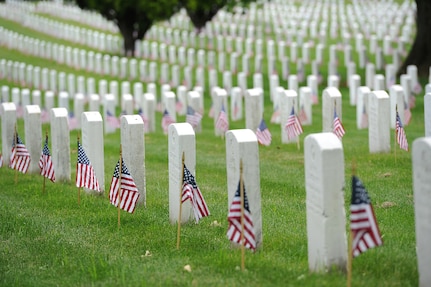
(62, 75)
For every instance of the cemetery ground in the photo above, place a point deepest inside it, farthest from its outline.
(47, 239)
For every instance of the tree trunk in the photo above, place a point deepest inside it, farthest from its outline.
(200, 17)
(420, 52)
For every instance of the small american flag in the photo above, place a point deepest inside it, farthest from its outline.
(166, 121)
(263, 134)
(129, 193)
(112, 120)
(363, 223)
(44, 116)
(20, 157)
(314, 97)
(73, 122)
(417, 89)
(275, 118)
(407, 114)
(178, 106)
(293, 127)
(45, 162)
(302, 116)
(193, 117)
(85, 175)
(234, 218)
(364, 118)
(192, 192)
(145, 119)
(401, 135)
(337, 126)
(222, 123)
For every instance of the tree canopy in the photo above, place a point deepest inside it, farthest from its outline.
(419, 54)
(133, 18)
(202, 11)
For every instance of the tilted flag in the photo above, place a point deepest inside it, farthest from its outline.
(20, 157)
(234, 218)
(192, 192)
(293, 127)
(45, 162)
(401, 135)
(363, 224)
(166, 121)
(263, 134)
(125, 190)
(222, 123)
(193, 117)
(112, 120)
(337, 126)
(85, 175)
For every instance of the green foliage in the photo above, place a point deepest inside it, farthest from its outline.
(133, 18)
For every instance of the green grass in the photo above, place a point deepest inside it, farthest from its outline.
(47, 239)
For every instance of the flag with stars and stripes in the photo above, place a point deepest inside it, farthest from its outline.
(192, 192)
(193, 117)
(234, 218)
(363, 224)
(222, 123)
(20, 157)
(293, 127)
(401, 134)
(337, 126)
(125, 191)
(364, 118)
(45, 162)
(263, 134)
(85, 175)
(112, 120)
(167, 119)
(145, 120)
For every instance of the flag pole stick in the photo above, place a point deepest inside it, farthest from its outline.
(241, 186)
(119, 188)
(15, 142)
(181, 205)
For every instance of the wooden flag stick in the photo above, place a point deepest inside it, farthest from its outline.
(119, 189)
(241, 187)
(181, 205)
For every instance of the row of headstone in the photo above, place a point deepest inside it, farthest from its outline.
(108, 43)
(132, 140)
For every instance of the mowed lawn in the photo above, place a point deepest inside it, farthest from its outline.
(47, 239)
